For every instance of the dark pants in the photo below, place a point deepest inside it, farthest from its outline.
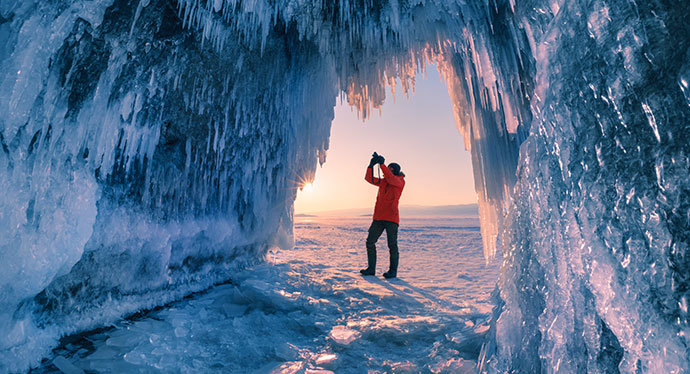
(375, 231)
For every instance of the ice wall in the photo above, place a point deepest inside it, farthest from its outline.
(595, 272)
(140, 164)
(150, 147)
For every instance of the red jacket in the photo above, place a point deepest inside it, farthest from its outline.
(390, 189)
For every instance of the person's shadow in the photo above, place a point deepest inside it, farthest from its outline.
(402, 289)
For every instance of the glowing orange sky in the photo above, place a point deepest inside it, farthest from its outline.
(419, 133)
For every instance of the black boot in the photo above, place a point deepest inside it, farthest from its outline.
(393, 271)
(371, 268)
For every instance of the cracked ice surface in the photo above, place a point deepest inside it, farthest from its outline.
(308, 310)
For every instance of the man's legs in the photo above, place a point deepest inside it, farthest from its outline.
(392, 236)
(375, 231)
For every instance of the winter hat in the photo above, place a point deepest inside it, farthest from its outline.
(395, 168)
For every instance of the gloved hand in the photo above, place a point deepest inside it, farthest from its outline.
(381, 160)
(374, 159)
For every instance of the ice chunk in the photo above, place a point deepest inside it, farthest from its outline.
(134, 357)
(343, 335)
(148, 326)
(125, 339)
(234, 310)
(325, 359)
(456, 365)
(287, 351)
(318, 371)
(280, 368)
(66, 366)
(181, 332)
(103, 353)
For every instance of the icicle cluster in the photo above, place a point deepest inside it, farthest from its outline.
(141, 166)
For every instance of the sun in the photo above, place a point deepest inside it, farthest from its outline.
(308, 187)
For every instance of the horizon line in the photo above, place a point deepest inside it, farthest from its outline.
(342, 211)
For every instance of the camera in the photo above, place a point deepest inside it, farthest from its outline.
(377, 159)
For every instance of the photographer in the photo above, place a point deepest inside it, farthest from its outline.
(386, 216)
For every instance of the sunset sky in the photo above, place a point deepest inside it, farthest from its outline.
(419, 133)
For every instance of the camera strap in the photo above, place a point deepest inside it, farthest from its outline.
(372, 175)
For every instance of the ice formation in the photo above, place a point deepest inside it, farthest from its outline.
(150, 147)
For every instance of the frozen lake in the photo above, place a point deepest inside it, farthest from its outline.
(308, 310)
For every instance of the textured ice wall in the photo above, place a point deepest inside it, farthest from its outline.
(138, 164)
(596, 271)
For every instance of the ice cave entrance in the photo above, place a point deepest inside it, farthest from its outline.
(417, 131)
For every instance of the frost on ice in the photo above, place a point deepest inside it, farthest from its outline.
(149, 148)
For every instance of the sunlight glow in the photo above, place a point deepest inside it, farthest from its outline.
(419, 133)
(309, 187)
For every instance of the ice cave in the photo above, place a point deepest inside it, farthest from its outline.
(149, 147)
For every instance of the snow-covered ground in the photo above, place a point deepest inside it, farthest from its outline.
(308, 310)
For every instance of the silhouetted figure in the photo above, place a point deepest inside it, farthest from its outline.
(386, 216)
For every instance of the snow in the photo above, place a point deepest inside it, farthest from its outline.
(310, 310)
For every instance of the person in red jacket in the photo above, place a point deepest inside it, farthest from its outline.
(386, 216)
